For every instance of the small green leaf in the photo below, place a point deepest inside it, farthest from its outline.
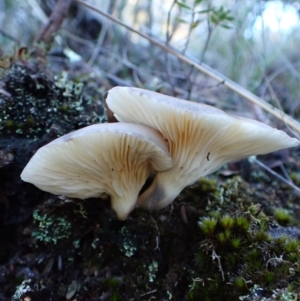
(229, 18)
(195, 24)
(204, 11)
(214, 19)
(183, 5)
(226, 26)
(181, 20)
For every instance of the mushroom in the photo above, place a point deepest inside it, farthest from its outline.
(115, 159)
(200, 138)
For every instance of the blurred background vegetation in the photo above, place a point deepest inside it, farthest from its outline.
(254, 43)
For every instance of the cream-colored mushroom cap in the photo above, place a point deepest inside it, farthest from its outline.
(105, 158)
(201, 138)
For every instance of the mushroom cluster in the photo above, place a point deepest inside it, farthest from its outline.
(180, 140)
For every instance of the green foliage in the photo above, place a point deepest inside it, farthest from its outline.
(218, 16)
(183, 5)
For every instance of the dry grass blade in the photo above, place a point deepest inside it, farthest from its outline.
(275, 174)
(289, 121)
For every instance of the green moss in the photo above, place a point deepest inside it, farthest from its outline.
(221, 237)
(200, 259)
(208, 185)
(239, 249)
(267, 277)
(227, 222)
(240, 283)
(224, 250)
(295, 178)
(9, 123)
(227, 234)
(236, 242)
(261, 236)
(231, 259)
(215, 214)
(282, 216)
(208, 225)
(112, 285)
(242, 223)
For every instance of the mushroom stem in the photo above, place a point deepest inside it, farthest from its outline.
(160, 194)
(123, 206)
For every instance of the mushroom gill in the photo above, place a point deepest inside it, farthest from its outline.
(200, 138)
(115, 159)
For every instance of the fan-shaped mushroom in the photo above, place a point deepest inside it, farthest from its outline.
(201, 138)
(105, 158)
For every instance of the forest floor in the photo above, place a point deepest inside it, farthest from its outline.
(232, 236)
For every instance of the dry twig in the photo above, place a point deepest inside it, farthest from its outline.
(60, 11)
